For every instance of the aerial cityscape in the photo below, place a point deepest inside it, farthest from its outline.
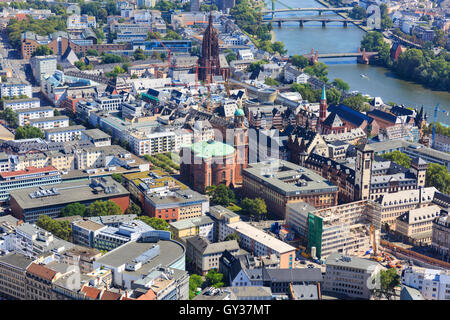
(225, 150)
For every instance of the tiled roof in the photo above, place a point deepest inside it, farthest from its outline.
(41, 271)
(91, 292)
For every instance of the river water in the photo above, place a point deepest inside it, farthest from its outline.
(379, 82)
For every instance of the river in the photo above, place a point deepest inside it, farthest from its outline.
(379, 82)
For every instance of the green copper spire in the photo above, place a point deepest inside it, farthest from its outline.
(324, 96)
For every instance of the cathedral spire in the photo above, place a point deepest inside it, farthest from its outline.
(324, 95)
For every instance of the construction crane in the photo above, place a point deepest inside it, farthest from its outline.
(434, 123)
(374, 254)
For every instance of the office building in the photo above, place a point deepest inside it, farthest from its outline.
(204, 255)
(280, 183)
(349, 276)
(30, 177)
(42, 66)
(202, 226)
(260, 243)
(28, 204)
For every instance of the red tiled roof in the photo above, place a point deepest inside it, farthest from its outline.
(21, 16)
(29, 170)
(91, 292)
(41, 271)
(149, 295)
(108, 295)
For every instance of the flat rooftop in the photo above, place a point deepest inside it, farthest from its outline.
(96, 134)
(67, 192)
(260, 236)
(288, 178)
(170, 252)
(191, 223)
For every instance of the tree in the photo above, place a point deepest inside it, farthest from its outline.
(341, 84)
(299, 61)
(92, 52)
(319, 70)
(333, 96)
(256, 66)
(389, 279)
(133, 208)
(214, 279)
(386, 21)
(399, 158)
(221, 194)
(195, 281)
(74, 209)
(438, 176)
(155, 223)
(231, 57)
(111, 58)
(61, 229)
(357, 102)
(103, 208)
(278, 46)
(271, 82)
(139, 54)
(232, 236)
(28, 132)
(256, 208)
(10, 117)
(172, 35)
(357, 13)
(306, 92)
(42, 50)
(117, 176)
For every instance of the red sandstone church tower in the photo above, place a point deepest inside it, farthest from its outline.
(323, 106)
(209, 61)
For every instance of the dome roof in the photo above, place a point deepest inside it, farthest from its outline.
(239, 112)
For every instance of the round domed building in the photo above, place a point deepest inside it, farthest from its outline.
(208, 163)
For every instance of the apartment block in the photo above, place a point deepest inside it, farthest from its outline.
(64, 134)
(50, 123)
(13, 268)
(151, 143)
(19, 104)
(11, 90)
(25, 115)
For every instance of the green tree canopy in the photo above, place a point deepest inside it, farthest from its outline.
(299, 61)
(139, 54)
(256, 208)
(357, 102)
(155, 223)
(61, 229)
(271, 82)
(341, 84)
(74, 209)
(389, 279)
(92, 52)
(221, 195)
(319, 70)
(42, 50)
(214, 279)
(133, 208)
(10, 117)
(28, 132)
(111, 58)
(195, 281)
(438, 176)
(103, 208)
(399, 158)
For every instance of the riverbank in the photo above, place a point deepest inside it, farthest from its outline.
(272, 33)
(343, 15)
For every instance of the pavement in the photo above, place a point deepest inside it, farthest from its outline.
(11, 59)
